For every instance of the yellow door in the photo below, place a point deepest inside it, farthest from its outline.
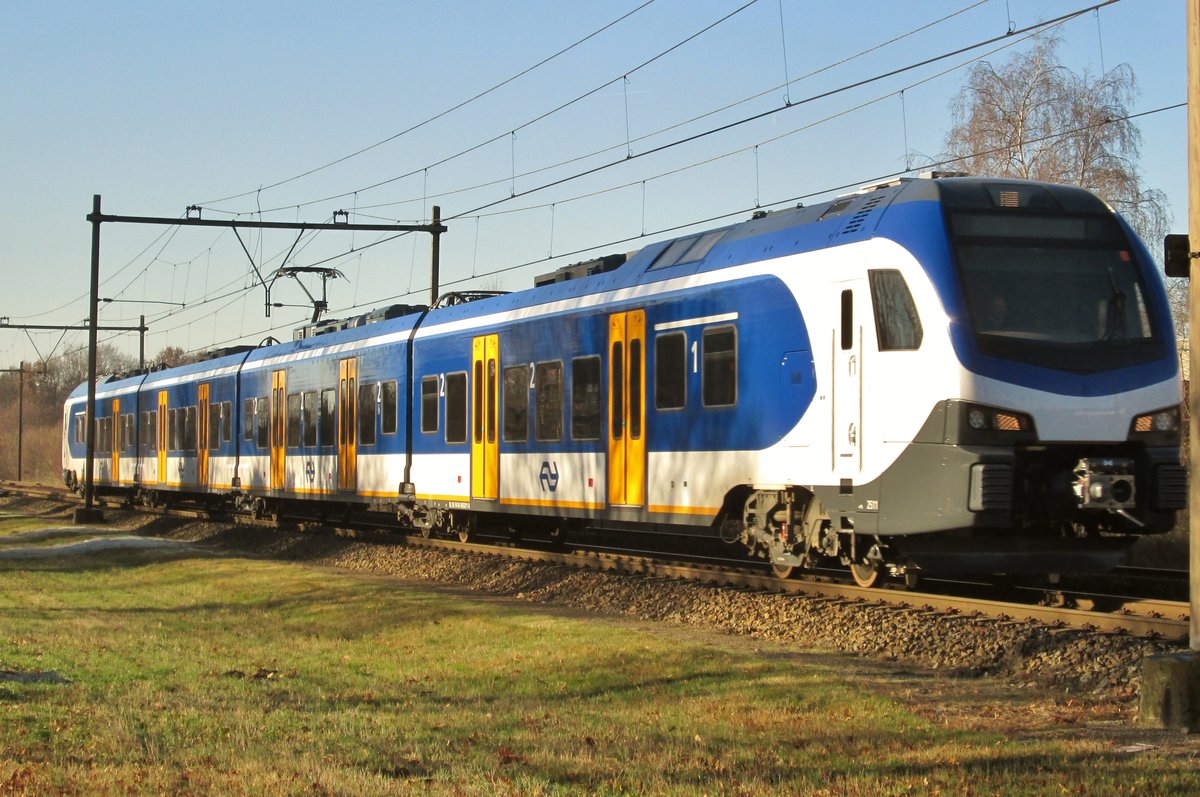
(485, 447)
(202, 433)
(278, 427)
(627, 408)
(347, 420)
(115, 428)
(162, 437)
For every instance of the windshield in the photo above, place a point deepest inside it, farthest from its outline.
(1057, 291)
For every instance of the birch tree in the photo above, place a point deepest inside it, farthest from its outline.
(1033, 118)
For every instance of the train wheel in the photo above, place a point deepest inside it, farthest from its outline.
(426, 531)
(865, 574)
(783, 571)
(465, 529)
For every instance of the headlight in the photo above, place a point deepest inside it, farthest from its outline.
(1160, 427)
(983, 425)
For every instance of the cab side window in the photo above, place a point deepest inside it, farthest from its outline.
(897, 324)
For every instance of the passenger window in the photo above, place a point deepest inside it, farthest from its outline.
(173, 426)
(585, 398)
(847, 320)
(328, 427)
(429, 404)
(308, 418)
(617, 380)
(189, 428)
(516, 404)
(226, 421)
(367, 412)
(248, 419)
(456, 407)
(293, 420)
(390, 407)
(152, 436)
(635, 389)
(897, 324)
(670, 371)
(549, 403)
(262, 415)
(214, 426)
(491, 402)
(478, 402)
(719, 377)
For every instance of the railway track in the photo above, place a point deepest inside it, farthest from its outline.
(1067, 608)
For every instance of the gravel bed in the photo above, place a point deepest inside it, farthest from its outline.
(1073, 661)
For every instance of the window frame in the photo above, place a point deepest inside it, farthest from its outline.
(598, 414)
(327, 427)
(659, 341)
(389, 396)
(431, 405)
(262, 422)
(891, 298)
(509, 422)
(367, 417)
(539, 371)
(709, 359)
(294, 430)
(457, 382)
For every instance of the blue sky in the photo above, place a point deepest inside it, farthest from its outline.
(158, 106)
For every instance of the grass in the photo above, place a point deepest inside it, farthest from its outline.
(198, 675)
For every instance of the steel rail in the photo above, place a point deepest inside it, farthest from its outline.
(1138, 617)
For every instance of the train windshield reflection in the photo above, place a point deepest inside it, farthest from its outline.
(1059, 292)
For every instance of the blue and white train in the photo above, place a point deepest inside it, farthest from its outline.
(931, 374)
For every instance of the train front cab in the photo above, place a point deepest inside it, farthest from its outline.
(1064, 444)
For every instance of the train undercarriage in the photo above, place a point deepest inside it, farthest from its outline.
(792, 528)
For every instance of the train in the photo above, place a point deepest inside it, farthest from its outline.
(938, 374)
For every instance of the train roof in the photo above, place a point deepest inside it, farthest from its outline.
(770, 234)
(767, 234)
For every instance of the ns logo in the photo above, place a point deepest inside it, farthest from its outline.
(549, 476)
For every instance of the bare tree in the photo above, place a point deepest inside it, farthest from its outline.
(1033, 118)
(172, 356)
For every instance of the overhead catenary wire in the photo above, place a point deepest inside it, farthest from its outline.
(235, 295)
(169, 234)
(441, 114)
(467, 214)
(1008, 38)
(674, 126)
(511, 132)
(1038, 26)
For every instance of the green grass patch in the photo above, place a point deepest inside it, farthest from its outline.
(16, 525)
(193, 675)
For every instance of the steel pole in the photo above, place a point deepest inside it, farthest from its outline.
(1193, 84)
(20, 420)
(89, 488)
(435, 264)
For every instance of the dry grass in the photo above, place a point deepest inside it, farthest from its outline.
(190, 674)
